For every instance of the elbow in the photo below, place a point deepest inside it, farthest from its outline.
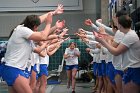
(116, 53)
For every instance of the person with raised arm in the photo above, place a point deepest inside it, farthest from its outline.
(19, 50)
(130, 48)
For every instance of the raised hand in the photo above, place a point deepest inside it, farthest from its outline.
(97, 34)
(65, 29)
(81, 31)
(63, 40)
(88, 22)
(66, 38)
(99, 37)
(58, 45)
(60, 24)
(58, 30)
(102, 30)
(59, 10)
(79, 35)
(64, 32)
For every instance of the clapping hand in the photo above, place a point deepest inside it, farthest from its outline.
(88, 22)
(99, 37)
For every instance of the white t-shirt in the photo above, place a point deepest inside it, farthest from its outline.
(18, 48)
(96, 53)
(131, 58)
(118, 36)
(34, 56)
(108, 55)
(103, 53)
(117, 60)
(44, 60)
(72, 60)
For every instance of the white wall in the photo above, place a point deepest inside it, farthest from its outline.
(38, 5)
(74, 19)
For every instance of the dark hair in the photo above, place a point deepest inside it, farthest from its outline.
(31, 21)
(125, 21)
(121, 12)
(72, 43)
(113, 25)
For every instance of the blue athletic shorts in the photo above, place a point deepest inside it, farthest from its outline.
(120, 72)
(132, 74)
(1, 69)
(9, 74)
(103, 67)
(99, 70)
(110, 72)
(70, 67)
(95, 65)
(43, 70)
(34, 68)
(27, 73)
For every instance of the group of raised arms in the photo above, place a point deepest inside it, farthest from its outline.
(115, 50)
(25, 64)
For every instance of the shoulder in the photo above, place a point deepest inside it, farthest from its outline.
(119, 34)
(130, 38)
(23, 29)
(131, 35)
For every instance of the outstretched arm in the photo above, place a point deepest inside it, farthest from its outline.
(107, 29)
(59, 10)
(113, 50)
(42, 35)
(90, 23)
